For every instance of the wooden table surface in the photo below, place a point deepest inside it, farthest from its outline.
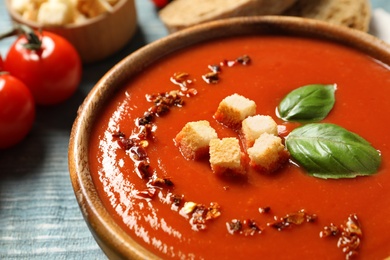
(39, 215)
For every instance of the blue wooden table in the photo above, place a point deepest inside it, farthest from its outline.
(39, 215)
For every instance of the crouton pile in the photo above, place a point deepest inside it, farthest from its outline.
(61, 12)
(263, 149)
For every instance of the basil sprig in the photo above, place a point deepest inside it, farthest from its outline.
(330, 151)
(308, 103)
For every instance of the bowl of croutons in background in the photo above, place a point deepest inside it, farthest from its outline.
(96, 28)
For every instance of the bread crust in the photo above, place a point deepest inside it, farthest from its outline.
(181, 14)
(351, 13)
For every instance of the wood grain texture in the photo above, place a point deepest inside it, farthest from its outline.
(39, 215)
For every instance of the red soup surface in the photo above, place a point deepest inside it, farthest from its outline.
(244, 218)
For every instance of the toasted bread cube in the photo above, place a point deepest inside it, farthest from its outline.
(254, 126)
(193, 140)
(19, 5)
(78, 17)
(92, 8)
(31, 12)
(226, 156)
(268, 153)
(233, 109)
(55, 12)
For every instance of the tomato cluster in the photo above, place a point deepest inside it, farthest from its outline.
(41, 68)
(161, 3)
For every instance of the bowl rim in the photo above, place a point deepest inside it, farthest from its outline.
(17, 17)
(113, 240)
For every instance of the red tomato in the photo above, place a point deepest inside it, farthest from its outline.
(1, 64)
(17, 110)
(51, 70)
(161, 3)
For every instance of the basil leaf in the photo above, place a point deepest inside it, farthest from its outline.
(330, 151)
(308, 103)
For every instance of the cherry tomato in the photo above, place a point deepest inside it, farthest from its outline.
(17, 110)
(161, 3)
(1, 63)
(47, 63)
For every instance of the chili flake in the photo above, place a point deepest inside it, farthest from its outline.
(157, 181)
(265, 209)
(297, 218)
(215, 68)
(244, 60)
(349, 236)
(199, 214)
(247, 227)
(211, 77)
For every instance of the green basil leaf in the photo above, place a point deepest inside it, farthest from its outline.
(330, 151)
(308, 103)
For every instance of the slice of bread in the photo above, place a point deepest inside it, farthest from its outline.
(193, 140)
(180, 14)
(351, 13)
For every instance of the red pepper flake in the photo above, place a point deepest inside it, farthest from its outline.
(180, 77)
(244, 60)
(234, 226)
(247, 227)
(190, 93)
(349, 236)
(213, 211)
(147, 119)
(265, 209)
(147, 194)
(228, 63)
(182, 80)
(199, 214)
(251, 228)
(139, 153)
(163, 102)
(162, 182)
(162, 109)
(211, 77)
(176, 200)
(118, 134)
(215, 68)
(330, 231)
(297, 218)
(126, 143)
(143, 169)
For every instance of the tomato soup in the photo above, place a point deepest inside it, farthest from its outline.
(244, 218)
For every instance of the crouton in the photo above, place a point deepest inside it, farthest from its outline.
(30, 12)
(55, 12)
(268, 153)
(254, 126)
(233, 109)
(226, 157)
(193, 140)
(92, 8)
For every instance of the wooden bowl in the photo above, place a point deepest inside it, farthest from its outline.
(96, 38)
(114, 241)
